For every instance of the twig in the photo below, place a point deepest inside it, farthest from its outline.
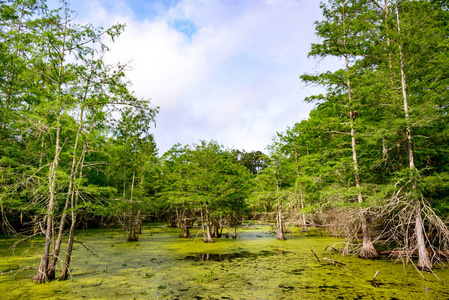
(16, 270)
(375, 275)
(329, 246)
(250, 222)
(197, 233)
(254, 225)
(87, 248)
(314, 254)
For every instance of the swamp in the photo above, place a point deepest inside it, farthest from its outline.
(255, 265)
(349, 200)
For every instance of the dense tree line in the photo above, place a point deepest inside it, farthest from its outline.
(371, 162)
(57, 98)
(385, 114)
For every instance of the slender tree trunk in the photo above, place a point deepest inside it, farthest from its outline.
(43, 271)
(65, 268)
(367, 250)
(57, 248)
(42, 275)
(202, 225)
(208, 229)
(132, 237)
(408, 129)
(423, 260)
(304, 227)
(74, 206)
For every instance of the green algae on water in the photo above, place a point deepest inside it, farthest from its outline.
(253, 266)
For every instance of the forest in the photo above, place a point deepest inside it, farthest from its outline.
(370, 164)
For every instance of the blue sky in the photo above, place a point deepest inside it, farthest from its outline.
(226, 70)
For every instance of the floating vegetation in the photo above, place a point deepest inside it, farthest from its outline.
(250, 267)
(148, 275)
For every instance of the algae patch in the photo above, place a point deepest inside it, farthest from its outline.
(254, 266)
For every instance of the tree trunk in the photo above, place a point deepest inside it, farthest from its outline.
(423, 260)
(202, 225)
(42, 273)
(74, 206)
(138, 221)
(185, 226)
(65, 269)
(73, 170)
(280, 227)
(208, 231)
(57, 246)
(304, 227)
(367, 250)
(131, 222)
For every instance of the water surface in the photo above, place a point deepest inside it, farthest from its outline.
(254, 266)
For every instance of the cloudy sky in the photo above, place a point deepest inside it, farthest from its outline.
(226, 70)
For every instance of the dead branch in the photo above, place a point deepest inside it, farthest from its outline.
(333, 261)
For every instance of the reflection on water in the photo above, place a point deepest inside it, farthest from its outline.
(230, 256)
(253, 266)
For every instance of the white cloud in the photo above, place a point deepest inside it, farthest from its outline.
(234, 77)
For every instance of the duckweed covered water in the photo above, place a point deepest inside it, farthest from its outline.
(254, 266)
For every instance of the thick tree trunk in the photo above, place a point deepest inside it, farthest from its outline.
(423, 260)
(280, 227)
(186, 233)
(368, 250)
